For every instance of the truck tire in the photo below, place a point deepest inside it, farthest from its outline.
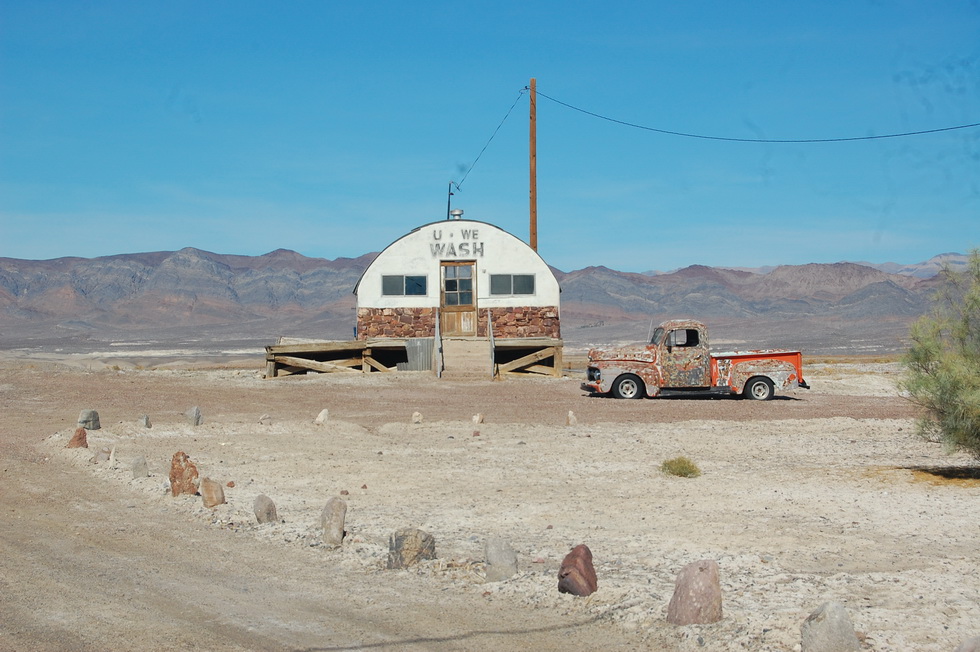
(759, 388)
(628, 386)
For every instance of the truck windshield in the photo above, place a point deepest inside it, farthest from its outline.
(657, 335)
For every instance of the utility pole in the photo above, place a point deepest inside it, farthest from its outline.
(533, 156)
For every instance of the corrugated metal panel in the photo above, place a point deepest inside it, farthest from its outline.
(419, 350)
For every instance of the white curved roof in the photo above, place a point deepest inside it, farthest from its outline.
(491, 249)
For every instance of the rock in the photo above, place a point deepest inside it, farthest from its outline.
(571, 420)
(970, 645)
(194, 417)
(478, 417)
(697, 595)
(332, 521)
(265, 420)
(144, 421)
(577, 574)
(140, 468)
(501, 560)
(79, 439)
(211, 493)
(322, 417)
(183, 475)
(408, 546)
(89, 419)
(265, 509)
(829, 629)
(103, 455)
(416, 417)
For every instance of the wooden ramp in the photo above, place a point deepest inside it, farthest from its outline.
(528, 355)
(461, 357)
(324, 356)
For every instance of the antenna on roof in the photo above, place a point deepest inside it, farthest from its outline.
(449, 200)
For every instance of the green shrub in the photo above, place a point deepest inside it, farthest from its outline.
(943, 362)
(681, 467)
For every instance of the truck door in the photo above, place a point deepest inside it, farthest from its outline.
(686, 361)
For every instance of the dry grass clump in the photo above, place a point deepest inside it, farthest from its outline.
(682, 467)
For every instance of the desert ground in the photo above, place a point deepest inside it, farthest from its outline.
(822, 495)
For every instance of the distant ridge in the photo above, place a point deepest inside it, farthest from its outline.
(201, 296)
(931, 267)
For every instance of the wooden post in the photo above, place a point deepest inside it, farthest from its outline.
(533, 132)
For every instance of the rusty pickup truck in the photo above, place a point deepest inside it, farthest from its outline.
(677, 360)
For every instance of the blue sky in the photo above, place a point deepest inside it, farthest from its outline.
(334, 128)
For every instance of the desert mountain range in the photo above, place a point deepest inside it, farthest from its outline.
(192, 296)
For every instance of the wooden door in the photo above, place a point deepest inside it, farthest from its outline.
(458, 298)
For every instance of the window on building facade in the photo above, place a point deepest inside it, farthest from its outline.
(398, 286)
(512, 284)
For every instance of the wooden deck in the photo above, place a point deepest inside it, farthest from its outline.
(533, 355)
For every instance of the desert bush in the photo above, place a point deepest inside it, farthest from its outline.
(942, 364)
(681, 467)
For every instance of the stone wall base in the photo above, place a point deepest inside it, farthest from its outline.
(395, 322)
(515, 322)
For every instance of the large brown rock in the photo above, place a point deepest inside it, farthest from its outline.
(183, 475)
(697, 595)
(212, 493)
(577, 574)
(408, 546)
(79, 439)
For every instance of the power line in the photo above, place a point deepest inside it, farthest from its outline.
(509, 111)
(752, 140)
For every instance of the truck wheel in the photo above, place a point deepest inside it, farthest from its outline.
(759, 388)
(627, 386)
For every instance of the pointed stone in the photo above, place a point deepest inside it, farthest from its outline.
(829, 629)
(577, 574)
(79, 439)
(697, 595)
(969, 645)
(322, 417)
(183, 475)
(416, 417)
(140, 468)
(194, 416)
(478, 418)
(89, 419)
(265, 509)
(102, 455)
(212, 493)
(408, 546)
(500, 558)
(571, 420)
(332, 521)
(144, 421)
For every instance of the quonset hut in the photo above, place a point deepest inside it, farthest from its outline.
(456, 296)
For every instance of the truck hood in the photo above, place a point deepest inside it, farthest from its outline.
(635, 353)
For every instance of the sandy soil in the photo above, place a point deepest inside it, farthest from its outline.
(821, 495)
